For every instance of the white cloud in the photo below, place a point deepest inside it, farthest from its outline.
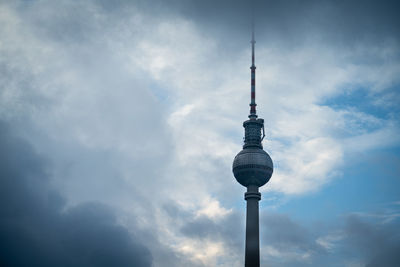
(205, 252)
(286, 256)
(329, 241)
(212, 209)
(306, 165)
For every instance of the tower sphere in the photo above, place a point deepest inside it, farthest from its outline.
(252, 166)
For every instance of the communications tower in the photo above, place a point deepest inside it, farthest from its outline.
(252, 168)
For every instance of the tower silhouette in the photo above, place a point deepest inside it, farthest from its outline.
(252, 168)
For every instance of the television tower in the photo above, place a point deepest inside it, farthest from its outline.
(252, 168)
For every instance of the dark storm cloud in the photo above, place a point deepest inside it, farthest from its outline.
(35, 228)
(348, 19)
(287, 22)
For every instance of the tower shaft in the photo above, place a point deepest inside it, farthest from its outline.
(252, 254)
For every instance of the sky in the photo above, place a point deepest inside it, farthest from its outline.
(119, 122)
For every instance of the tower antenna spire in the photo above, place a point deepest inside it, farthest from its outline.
(253, 113)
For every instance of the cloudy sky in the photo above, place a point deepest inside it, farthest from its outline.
(119, 122)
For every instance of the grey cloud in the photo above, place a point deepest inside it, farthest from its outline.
(378, 243)
(175, 212)
(35, 228)
(282, 232)
(51, 60)
(289, 22)
(357, 240)
(64, 70)
(388, 257)
(278, 231)
(230, 229)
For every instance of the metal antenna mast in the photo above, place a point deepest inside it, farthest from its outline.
(253, 104)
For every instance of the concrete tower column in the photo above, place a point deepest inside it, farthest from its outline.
(252, 254)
